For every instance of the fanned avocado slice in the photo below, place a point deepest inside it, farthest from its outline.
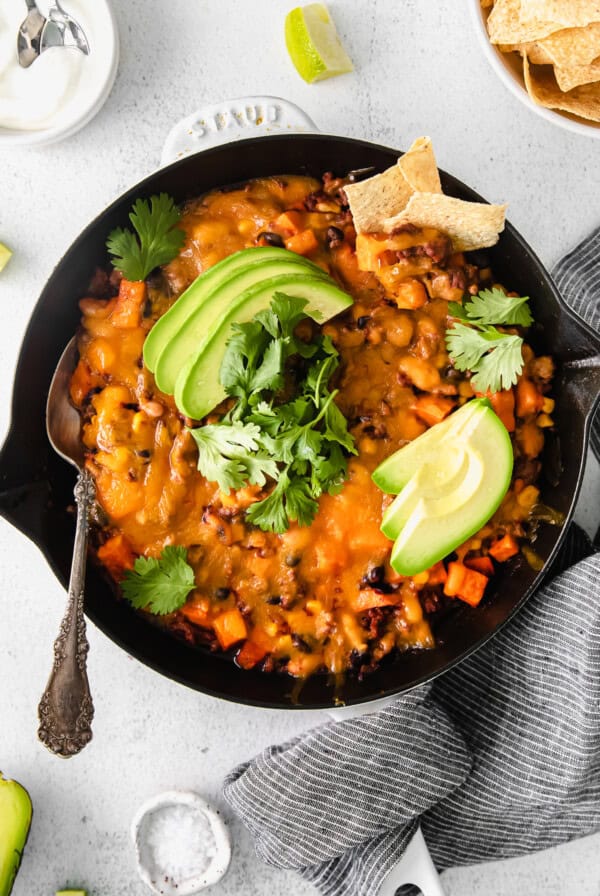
(203, 287)
(198, 389)
(15, 821)
(455, 477)
(190, 335)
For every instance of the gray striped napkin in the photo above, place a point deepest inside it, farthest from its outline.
(499, 757)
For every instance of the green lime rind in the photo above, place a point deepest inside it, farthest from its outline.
(314, 45)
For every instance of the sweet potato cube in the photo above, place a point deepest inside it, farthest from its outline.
(230, 628)
(127, 312)
(504, 548)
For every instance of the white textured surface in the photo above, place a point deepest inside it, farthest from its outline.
(418, 71)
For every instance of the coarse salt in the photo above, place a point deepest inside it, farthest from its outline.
(176, 843)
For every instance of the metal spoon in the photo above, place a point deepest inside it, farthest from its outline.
(66, 709)
(28, 38)
(61, 30)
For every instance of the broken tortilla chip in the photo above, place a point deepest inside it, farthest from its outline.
(419, 168)
(574, 75)
(572, 46)
(376, 198)
(385, 194)
(542, 87)
(470, 225)
(568, 13)
(506, 26)
(534, 49)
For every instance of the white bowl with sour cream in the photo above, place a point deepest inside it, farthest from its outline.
(62, 89)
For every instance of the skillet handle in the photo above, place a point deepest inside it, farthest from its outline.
(237, 119)
(582, 378)
(416, 865)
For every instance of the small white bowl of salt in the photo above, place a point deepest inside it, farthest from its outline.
(182, 844)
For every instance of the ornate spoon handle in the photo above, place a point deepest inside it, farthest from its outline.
(66, 709)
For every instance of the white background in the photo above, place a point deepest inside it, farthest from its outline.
(419, 70)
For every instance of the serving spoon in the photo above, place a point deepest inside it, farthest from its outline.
(29, 35)
(66, 709)
(61, 30)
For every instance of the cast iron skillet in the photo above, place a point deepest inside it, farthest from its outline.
(36, 486)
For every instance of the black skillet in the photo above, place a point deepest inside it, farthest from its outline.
(36, 487)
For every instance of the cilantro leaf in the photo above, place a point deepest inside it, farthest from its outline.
(495, 358)
(159, 585)
(270, 514)
(500, 368)
(299, 502)
(156, 240)
(222, 451)
(492, 306)
(474, 344)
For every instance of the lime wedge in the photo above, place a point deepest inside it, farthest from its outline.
(5, 255)
(313, 43)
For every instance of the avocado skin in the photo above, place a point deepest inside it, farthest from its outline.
(15, 820)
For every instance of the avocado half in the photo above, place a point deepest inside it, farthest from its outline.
(15, 820)
(449, 482)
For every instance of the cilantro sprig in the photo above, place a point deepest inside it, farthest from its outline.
(474, 343)
(161, 584)
(156, 240)
(290, 432)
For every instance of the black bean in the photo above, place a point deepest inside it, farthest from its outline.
(334, 237)
(274, 600)
(222, 593)
(131, 405)
(143, 452)
(362, 321)
(301, 644)
(376, 574)
(293, 560)
(272, 239)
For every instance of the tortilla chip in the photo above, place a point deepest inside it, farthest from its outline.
(420, 169)
(534, 49)
(574, 75)
(568, 13)
(573, 46)
(377, 198)
(543, 89)
(506, 25)
(470, 225)
(386, 194)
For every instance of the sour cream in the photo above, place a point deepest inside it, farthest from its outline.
(58, 84)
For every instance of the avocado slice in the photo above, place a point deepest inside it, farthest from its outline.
(71, 893)
(393, 474)
(198, 389)
(204, 286)
(460, 482)
(15, 821)
(190, 335)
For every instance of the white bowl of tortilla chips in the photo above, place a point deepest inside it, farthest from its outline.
(547, 53)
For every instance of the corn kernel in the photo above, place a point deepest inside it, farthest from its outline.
(529, 496)
(367, 446)
(246, 227)
(544, 421)
(465, 389)
(548, 405)
(138, 421)
(314, 606)
(421, 579)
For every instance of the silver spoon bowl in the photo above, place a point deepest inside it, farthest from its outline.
(61, 30)
(66, 709)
